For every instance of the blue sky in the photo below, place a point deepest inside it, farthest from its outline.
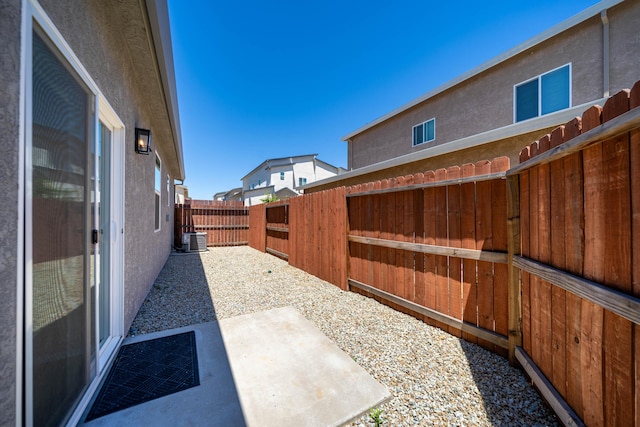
(266, 79)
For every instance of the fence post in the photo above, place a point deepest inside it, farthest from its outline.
(513, 275)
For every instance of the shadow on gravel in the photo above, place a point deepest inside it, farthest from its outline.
(180, 298)
(507, 395)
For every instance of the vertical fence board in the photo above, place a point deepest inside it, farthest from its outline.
(455, 240)
(408, 230)
(442, 271)
(468, 241)
(525, 239)
(484, 241)
(618, 340)
(430, 239)
(634, 154)
(557, 250)
(544, 255)
(592, 315)
(499, 233)
(574, 259)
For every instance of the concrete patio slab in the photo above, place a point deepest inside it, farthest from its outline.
(272, 368)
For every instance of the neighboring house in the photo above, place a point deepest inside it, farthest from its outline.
(86, 222)
(284, 177)
(504, 104)
(181, 193)
(231, 195)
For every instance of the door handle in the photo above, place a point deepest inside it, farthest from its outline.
(94, 236)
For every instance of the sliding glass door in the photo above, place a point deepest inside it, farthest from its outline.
(74, 253)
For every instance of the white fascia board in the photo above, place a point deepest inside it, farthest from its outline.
(158, 14)
(510, 131)
(588, 13)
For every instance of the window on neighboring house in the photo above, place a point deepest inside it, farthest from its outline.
(168, 190)
(424, 132)
(158, 207)
(302, 181)
(281, 176)
(543, 94)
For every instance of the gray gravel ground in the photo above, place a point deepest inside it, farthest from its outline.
(434, 378)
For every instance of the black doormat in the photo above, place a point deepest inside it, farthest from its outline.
(148, 370)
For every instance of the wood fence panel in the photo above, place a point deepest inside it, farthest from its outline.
(574, 260)
(544, 255)
(499, 233)
(429, 260)
(557, 259)
(454, 240)
(386, 281)
(468, 241)
(525, 239)
(442, 268)
(257, 227)
(593, 315)
(634, 154)
(484, 241)
(618, 341)
(408, 230)
(225, 223)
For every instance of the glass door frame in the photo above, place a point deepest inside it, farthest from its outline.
(102, 111)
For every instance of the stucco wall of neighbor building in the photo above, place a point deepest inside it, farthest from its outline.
(10, 17)
(509, 147)
(111, 40)
(624, 42)
(485, 101)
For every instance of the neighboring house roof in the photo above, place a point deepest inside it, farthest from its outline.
(158, 14)
(283, 161)
(285, 193)
(226, 195)
(588, 13)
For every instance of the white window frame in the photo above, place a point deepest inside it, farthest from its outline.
(539, 79)
(157, 169)
(300, 181)
(281, 176)
(424, 135)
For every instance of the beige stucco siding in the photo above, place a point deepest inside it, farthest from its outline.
(110, 40)
(624, 42)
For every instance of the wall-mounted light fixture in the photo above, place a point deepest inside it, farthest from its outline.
(143, 141)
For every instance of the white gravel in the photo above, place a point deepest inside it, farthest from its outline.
(434, 378)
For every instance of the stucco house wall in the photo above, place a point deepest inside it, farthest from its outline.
(96, 33)
(111, 40)
(10, 17)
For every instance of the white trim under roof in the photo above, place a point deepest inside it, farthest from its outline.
(537, 123)
(588, 13)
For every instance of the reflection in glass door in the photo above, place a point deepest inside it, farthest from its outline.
(61, 274)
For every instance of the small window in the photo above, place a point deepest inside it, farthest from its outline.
(544, 94)
(158, 206)
(424, 132)
(302, 181)
(281, 176)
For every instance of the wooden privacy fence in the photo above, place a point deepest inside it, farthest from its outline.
(435, 243)
(576, 207)
(225, 222)
(541, 260)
